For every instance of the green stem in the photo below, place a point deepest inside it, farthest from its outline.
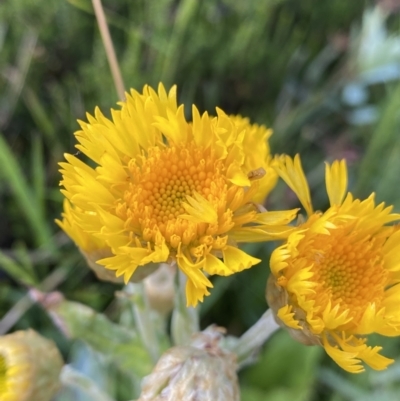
(143, 319)
(250, 342)
(185, 320)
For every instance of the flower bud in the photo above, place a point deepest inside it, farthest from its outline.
(199, 371)
(30, 366)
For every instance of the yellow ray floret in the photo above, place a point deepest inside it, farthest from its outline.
(167, 190)
(337, 274)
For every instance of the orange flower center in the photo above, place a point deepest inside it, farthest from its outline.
(348, 270)
(161, 182)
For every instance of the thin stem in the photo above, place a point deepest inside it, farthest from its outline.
(255, 337)
(71, 378)
(23, 304)
(109, 48)
(143, 319)
(185, 320)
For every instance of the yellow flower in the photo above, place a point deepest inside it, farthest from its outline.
(337, 277)
(167, 190)
(29, 367)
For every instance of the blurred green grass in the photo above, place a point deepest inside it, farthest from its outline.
(324, 75)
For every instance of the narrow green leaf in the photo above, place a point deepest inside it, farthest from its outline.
(23, 257)
(184, 17)
(16, 271)
(39, 115)
(38, 174)
(12, 172)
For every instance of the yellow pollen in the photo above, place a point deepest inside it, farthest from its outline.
(161, 181)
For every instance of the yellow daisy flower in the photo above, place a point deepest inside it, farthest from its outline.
(30, 366)
(337, 277)
(167, 190)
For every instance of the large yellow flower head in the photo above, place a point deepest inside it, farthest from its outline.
(337, 277)
(167, 190)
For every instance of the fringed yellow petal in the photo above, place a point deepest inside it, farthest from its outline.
(332, 318)
(174, 127)
(291, 171)
(122, 264)
(213, 265)
(194, 294)
(277, 217)
(346, 360)
(278, 259)
(196, 286)
(160, 253)
(371, 356)
(199, 209)
(237, 260)
(260, 233)
(203, 132)
(299, 282)
(287, 316)
(392, 252)
(336, 181)
(369, 321)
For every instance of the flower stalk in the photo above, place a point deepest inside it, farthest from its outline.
(143, 319)
(185, 320)
(251, 341)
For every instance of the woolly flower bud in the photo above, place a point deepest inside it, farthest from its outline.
(30, 366)
(199, 371)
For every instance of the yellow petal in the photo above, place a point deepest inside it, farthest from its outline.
(196, 286)
(371, 356)
(237, 260)
(291, 171)
(213, 265)
(278, 257)
(287, 316)
(333, 319)
(200, 210)
(336, 181)
(277, 217)
(392, 252)
(346, 360)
